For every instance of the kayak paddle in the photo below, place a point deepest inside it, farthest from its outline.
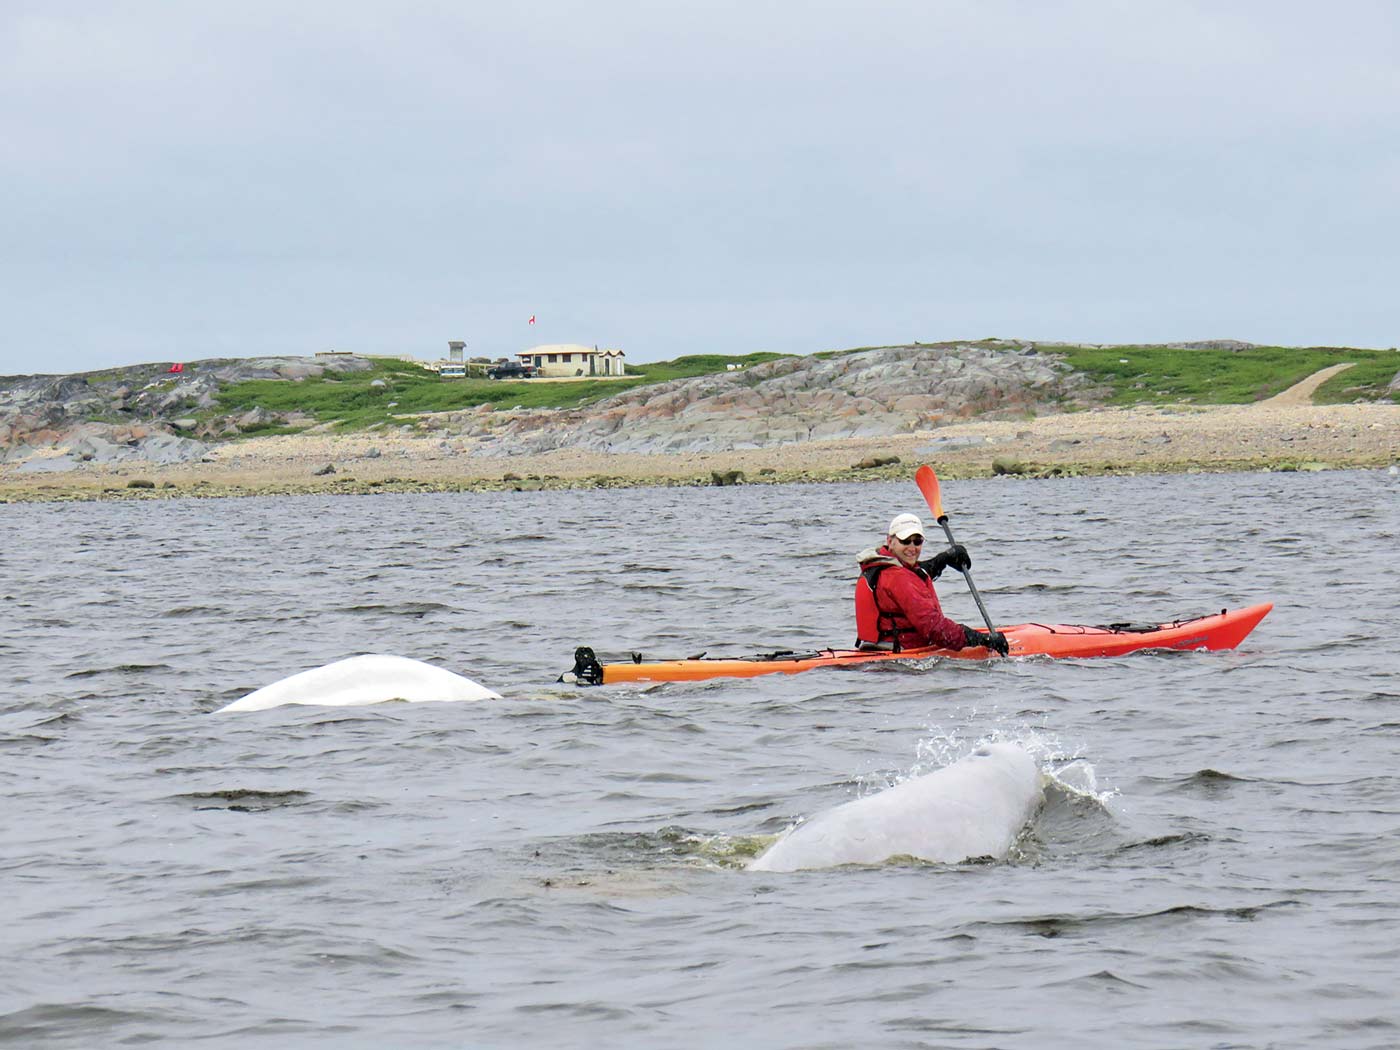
(927, 481)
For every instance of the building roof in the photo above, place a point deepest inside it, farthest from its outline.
(569, 348)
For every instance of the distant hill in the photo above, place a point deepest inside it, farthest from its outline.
(708, 401)
(865, 393)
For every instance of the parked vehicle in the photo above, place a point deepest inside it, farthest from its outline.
(510, 370)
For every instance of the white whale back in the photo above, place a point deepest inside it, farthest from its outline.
(973, 808)
(362, 680)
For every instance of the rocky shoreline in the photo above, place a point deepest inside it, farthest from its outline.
(970, 409)
(1275, 435)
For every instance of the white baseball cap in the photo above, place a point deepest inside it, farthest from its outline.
(906, 525)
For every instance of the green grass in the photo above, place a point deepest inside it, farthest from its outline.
(1367, 381)
(1160, 375)
(697, 365)
(827, 355)
(347, 398)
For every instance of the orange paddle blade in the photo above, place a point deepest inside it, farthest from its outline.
(927, 481)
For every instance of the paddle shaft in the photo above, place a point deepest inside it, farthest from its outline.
(927, 481)
(967, 574)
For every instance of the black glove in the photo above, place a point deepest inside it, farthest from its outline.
(996, 641)
(955, 556)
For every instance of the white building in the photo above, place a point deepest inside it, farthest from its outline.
(573, 359)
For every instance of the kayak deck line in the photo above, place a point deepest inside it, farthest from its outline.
(1222, 630)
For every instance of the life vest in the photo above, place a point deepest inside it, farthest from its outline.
(867, 608)
(876, 627)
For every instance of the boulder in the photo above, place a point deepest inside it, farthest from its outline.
(167, 448)
(97, 448)
(1002, 465)
(299, 369)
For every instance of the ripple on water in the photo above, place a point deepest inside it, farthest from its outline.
(564, 868)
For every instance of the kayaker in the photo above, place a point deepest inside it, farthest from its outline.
(896, 606)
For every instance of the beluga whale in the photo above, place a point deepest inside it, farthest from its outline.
(974, 808)
(363, 680)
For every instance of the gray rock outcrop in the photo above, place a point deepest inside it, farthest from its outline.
(869, 393)
(55, 423)
(102, 444)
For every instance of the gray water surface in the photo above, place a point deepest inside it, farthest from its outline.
(563, 868)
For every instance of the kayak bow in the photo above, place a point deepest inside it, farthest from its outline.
(1222, 630)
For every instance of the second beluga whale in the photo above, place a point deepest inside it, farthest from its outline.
(362, 680)
(975, 807)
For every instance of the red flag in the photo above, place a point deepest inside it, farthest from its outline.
(532, 318)
(177, 368)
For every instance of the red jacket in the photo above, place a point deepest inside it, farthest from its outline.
(907, 595)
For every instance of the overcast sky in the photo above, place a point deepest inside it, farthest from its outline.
(185, 180)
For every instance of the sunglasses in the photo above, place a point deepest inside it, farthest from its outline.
(912, 541)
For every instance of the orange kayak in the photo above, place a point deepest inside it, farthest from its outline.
(1222, 630)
